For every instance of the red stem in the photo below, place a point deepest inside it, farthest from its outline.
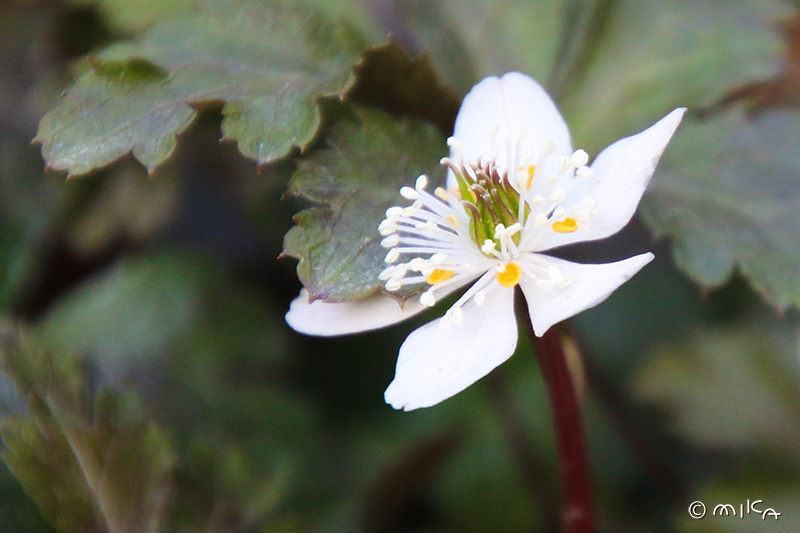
(576, 513)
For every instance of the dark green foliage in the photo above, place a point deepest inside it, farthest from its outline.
(357, 177)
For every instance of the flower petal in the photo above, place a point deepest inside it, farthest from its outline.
(591, 284)
(619, 177)
(434, 364)
(499, 111)
(328, 319)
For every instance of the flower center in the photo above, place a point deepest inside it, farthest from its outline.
(493, 204)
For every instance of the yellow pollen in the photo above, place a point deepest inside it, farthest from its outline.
(510, 276)
(531, 170)
(438, 276)
(568, 226)
(453, 221)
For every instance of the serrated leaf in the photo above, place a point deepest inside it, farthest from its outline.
(267, 62)
(735, 388)
(100, 467)
(726, 195)
(357, 177)
(720, 190)
(388, 78)
(650, 57)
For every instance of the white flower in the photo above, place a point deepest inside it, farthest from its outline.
(515, 189)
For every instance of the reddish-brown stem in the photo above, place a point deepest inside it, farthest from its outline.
(576, 513)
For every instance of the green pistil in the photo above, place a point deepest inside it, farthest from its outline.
(490, 200)
(492, 204)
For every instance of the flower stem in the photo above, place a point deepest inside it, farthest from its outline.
(576, 513)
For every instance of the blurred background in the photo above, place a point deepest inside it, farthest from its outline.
(142, 315)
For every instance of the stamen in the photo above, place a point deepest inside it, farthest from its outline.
(453, 220)
(441, 194)
(584, 172)
(579, 158)
(480, 298)
(391, 241)
(408, 193)
(567, 226)
(531, 170)
(392, 256)
(438, 259)
(393, 285)
(438, 276)
(386, 273)
(399, 272)
(387, 227)
(417, 264)
(558, 195)
(427, 298)
(422, 182)
(510, 276)
(488, 246)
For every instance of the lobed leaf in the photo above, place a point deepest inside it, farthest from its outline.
(726, 195)
(648, 57)
(388, 78)
(89, 465)
(356, 177)
(721, 192)
(137, 97)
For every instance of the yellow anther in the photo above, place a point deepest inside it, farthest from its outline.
(531, 170)
(510, 276)
(568, 226)
(453, 221)
(438, 276)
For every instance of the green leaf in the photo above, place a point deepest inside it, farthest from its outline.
(726, 194)
(128, 313)
(720, 192)
(471, 39)
(90, 465)
(734, 388)
(137, 97)
(649, 57)
(356, 178)
(388, 78)
(133, 16)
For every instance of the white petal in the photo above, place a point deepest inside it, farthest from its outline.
(434, 364)
(498, 111)
(591, 284)
(619, 177)
(329, 319)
